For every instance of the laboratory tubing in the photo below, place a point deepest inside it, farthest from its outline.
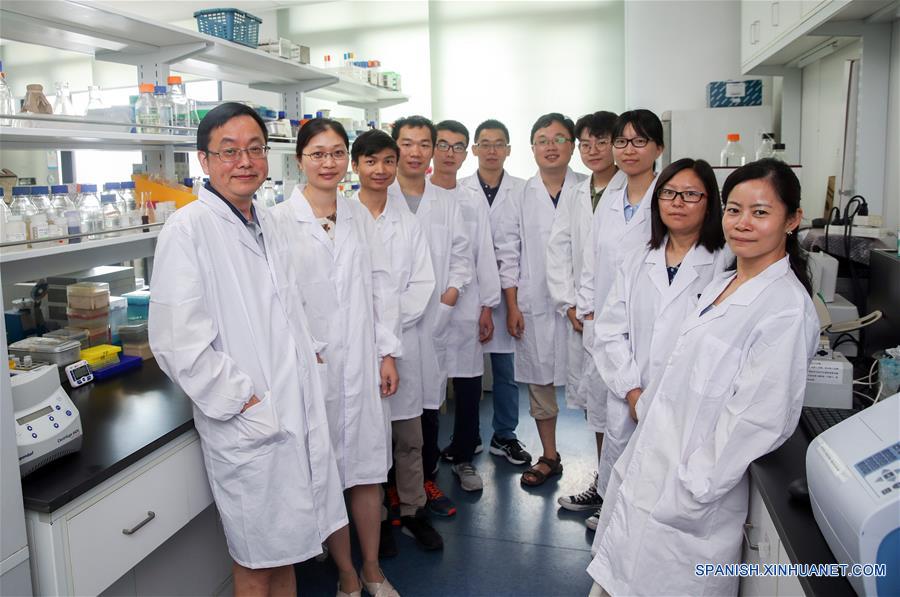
(63, 103)
(7, 103)
(163, 108)
(91, 211)
(181, 105)
(766, 147)
(733, 154)
(146, 114)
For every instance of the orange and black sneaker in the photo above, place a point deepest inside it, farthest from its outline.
(393, 504)
(438, 503)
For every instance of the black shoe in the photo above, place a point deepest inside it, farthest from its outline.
(421, 530)
(387, 547)
(512, 449)
(448, 454)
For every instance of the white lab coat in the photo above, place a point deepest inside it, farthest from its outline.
(413, 278)
(442, 225)
(510, 186)
(637, 328)
(610, 240)
(348, 294)
(465, 354)
(226, 324)
(565, 251)
(522, 252)
(730, 392)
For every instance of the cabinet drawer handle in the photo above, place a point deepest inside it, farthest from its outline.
(750, 544)
(150, 516)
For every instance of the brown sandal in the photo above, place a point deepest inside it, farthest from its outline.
(535, 476)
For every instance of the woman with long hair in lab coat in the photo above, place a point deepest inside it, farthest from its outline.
(730, 391)
(656, 287)
(620, 225)
(350, 298)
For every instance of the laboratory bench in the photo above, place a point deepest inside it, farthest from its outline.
(783, 529)
(130, 512)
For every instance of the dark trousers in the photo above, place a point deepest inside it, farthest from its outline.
(430, 450)
(467, 392)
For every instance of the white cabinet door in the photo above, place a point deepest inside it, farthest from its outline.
(783, 15)
(760, 547)
(752, 14)
(788, 586)
(808, 6)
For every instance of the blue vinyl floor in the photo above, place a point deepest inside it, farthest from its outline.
(504, 540)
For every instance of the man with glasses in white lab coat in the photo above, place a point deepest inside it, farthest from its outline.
(226, 326)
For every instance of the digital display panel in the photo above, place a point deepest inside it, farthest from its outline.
(35, 415)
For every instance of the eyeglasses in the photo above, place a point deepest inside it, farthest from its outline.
(499, 146)
(321, 156)
(233, 154)
(687, 196)
(638, 142)
(444, 146)
(587, 147)
(558, 139)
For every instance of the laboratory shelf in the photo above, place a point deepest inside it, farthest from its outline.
(23, 264)
(115, 36)
(89, 137)
(358, 94)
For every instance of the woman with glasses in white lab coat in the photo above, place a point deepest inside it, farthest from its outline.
(730, 392)
(351, 301)
(655, 288)
(620, 225)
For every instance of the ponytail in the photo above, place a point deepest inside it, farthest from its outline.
(798, 261)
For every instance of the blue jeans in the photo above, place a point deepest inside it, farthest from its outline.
(505, 394)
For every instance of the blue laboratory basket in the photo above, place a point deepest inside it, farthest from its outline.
(231, 24)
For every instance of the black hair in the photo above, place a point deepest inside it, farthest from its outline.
(712, 238)
(491, 123)
(454, 126)
(548, 119)
(316, 126)
(599, 124)
(371, 142)
(645, 123)
(414, 122)
(787, 188)
(218, 116)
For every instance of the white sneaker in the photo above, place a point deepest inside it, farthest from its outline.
(469, 479)
(593, 520)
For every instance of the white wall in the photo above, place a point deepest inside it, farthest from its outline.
(822, 126)
(892, 155)
(517, 60)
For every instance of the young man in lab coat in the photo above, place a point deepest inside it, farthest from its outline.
(471, 324)
(227, 327)
(443, 227)
(491, 147)
(571, 228)
(541, 332)
(374, 158)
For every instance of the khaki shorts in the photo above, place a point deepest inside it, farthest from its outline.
(543, 401)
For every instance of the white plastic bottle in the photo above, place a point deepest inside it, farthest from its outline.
(40, 229)
(91, 212)
(145, 112)
(267, 194)
(7, 103)
(181, 105)
(733, 154)
(766, 146)
(163, 108)
(778, 152)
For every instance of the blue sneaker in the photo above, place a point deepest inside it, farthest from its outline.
(438, 503)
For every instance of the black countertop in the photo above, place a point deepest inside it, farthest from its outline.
(123, 419)
(794, 521)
